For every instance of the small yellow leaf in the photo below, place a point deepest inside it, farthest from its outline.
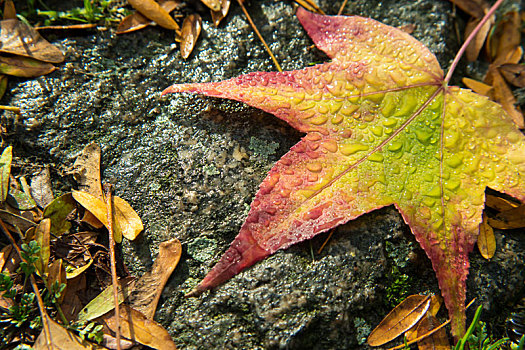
(153, 11)
(137, 21)
(42, 236)
(403, 317)
(79, 270)
(214, 5)
(486, 239)
(24, 67)
(5, 171)
(477, 86)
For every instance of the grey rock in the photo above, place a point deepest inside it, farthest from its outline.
(190, 168)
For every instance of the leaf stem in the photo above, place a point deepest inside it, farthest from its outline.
(469, 39)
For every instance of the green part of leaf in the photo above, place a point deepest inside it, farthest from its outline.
(57, 211)
(5, 170)
(20, 200)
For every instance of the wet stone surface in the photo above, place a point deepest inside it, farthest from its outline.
(190, 166)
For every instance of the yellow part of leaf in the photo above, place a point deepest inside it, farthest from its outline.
(135, 326)
(42, 236)
(61, 339)
(79, 270)
(103, 303)
(58, 210)
(137, 21)
(435, 304)
(191, 29)
(149, 286)
(153, 11)
(477, 86)
(126, 222)
(486, 239)
(214, 5)
(403, 317)
(5, 170)
(218, 16)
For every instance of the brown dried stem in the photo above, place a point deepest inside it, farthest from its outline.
(342, 7)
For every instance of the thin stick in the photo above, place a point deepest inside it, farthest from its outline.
(109, 213)
(40, 302)
(259, 35)
(429, 333)
(311, 4)
(11, 108)
(469, 39)
(326, 241)
(342, 7)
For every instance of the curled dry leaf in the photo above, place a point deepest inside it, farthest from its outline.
(191, 29)
(86, 170)
(137, 21)
(514, 73)
(218, 16)
(18, 38)
(103, 303)
(24, 67)
(148, 288)
(486, 240)
(42, 236)
(62, 339)
(5, 170)
(435, 341)
(58, 211)
(475, 8)
(135, 326)
(153, 11)
(509, 219)
(214, 5)
(17, 222)
(499, 204)
(403, 317)
(126, 221)
(41, 190)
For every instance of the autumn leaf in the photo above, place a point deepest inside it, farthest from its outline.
(383, 127)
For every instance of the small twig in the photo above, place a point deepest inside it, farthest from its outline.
(342, 7)
(469, 39)
(260, 36)
(429, 333)
(326, 241)
(40, 302)
(11, 108)
(109, 211)
(310, 5)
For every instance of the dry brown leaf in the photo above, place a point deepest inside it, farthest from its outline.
(499, 204)
(475, 46)
(24, 67)
(57, 273)
(135, 326)
(20, 39)
(86, 170)
(435, 304)
(153, 11)
(435, 341)
(137, 21)
(503, 95)
(41, 190)
(3, 85)
(477, 86)
(148, 288)
(191, 29)
(71, 304)
(486, 239)
(475, 8)
(509, 219)
(403, 317)
(218, 16)
(505, 38)
(514, 74)
(214, 5)
(408, 28)
(9, 10)
(42, 236)
(58, 210)
(62, 339)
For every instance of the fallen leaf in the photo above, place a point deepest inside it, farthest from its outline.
(383, 127)
(62, 339)
(218, 16)
(103, 303)
(214, 5)
(126, 221)
(58, 210)
(18, 38)
(499, 204)
(486, 239)
(505, 38)
(3, 85)
(11, 219)
(137, 21)
(191, 29)
(9, 10)
(509, 219)
(146, 294)
(435, 341)
(20, 200)
(41, 190)
(4, 255)
(478, 86)
(398, 321)
(503, 94)
(24, 67)
(514, 74)
(475, 8)
(71, 304)
(135, 326)
(42, 236)
(5, 171)
(153, 11)
(57, 274)
(475, 46)
(78, 270)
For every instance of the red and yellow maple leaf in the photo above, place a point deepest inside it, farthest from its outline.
(382, 128)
